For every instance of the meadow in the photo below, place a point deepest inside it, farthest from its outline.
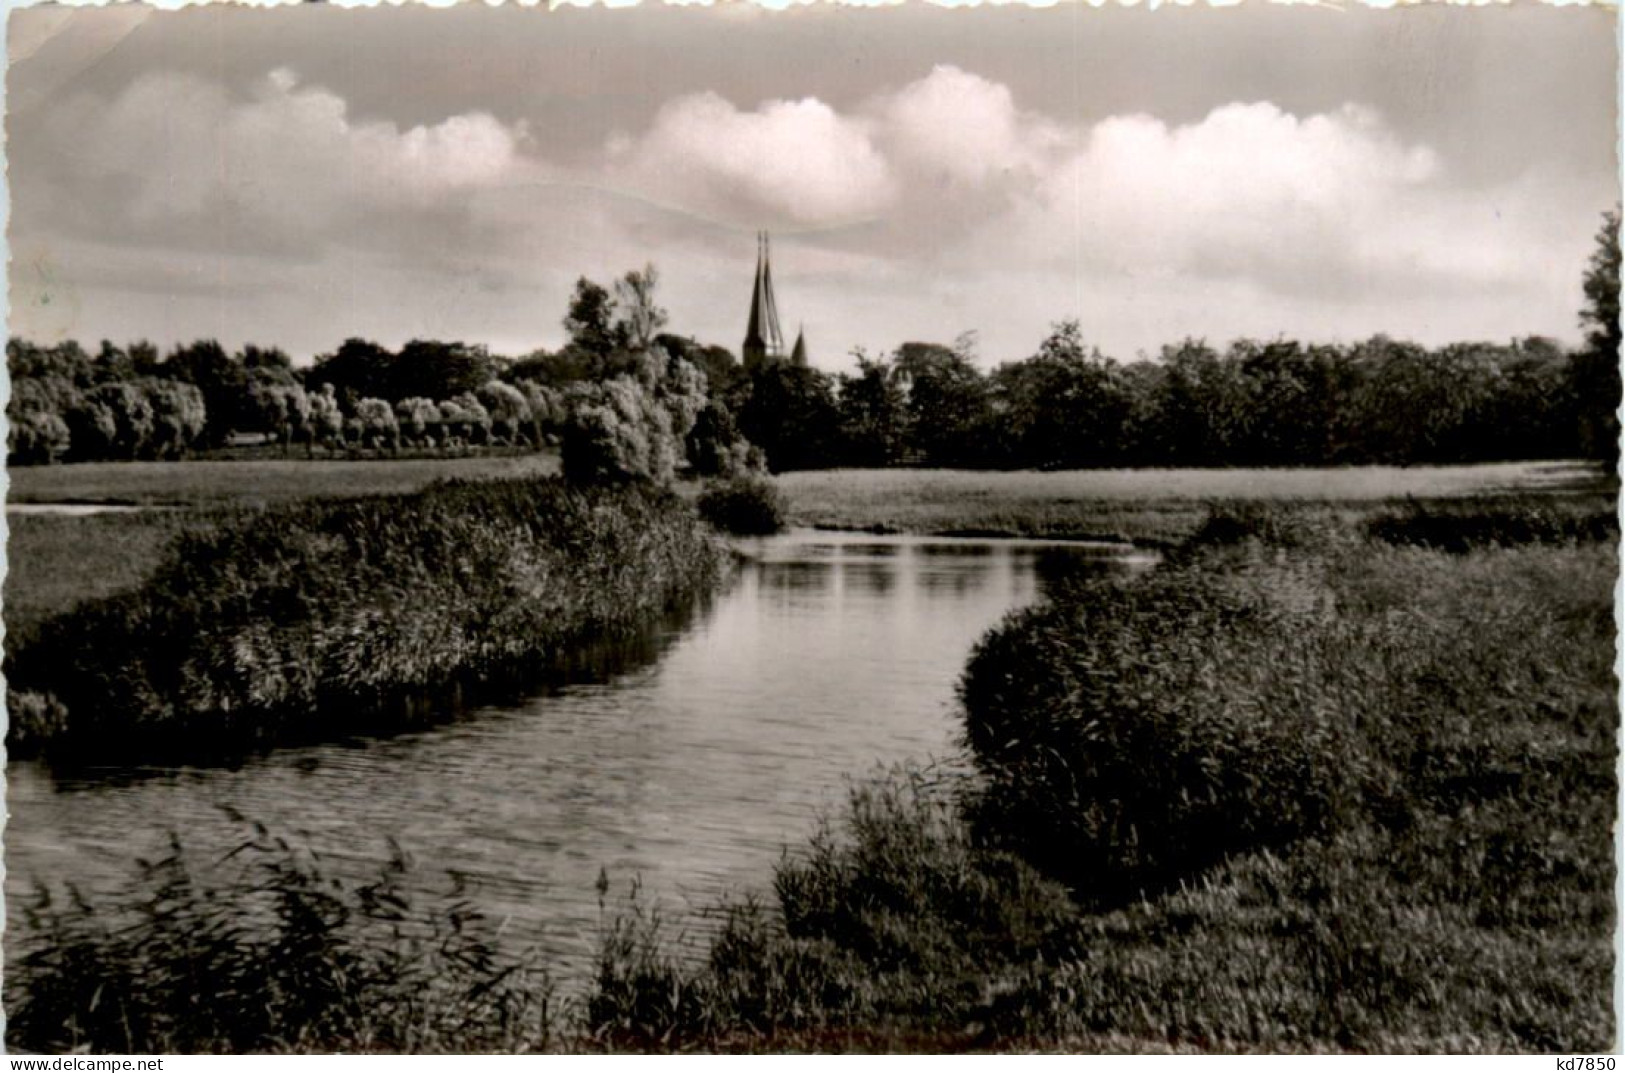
(1143, 505)
(257, 482)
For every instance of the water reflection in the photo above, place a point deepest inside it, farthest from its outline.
(690, 763)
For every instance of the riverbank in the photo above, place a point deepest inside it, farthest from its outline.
(1380, 819)
(55, 562)
(334, 615)
(1382, 822)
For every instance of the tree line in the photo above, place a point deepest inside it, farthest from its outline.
(624, 397)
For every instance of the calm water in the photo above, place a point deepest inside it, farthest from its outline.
(722, 742)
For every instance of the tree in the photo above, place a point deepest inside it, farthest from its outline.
(791, 415)
(591, 321)
(375, 424)
(38, 431)
(874, 414)
(714, 446)
(417, 418)
(1594, 371)
(509, 410)
(222, 380)
(638, 319)
(268, 359)
(112, 421)
(326, 418)
(723, 373)
(948, 402)
(179, 416)
(359, 369)
(547, 410)
(283, 410)
(464, 419)
(1064, 407)
(436, 370)
(635, 425)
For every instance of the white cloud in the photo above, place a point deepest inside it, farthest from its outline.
(955, 126)
(289, 157)
(798, 162)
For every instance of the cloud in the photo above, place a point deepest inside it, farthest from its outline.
(799, 162)
(956, 128)
(289, 161)
(922, 210)
(1333, 205)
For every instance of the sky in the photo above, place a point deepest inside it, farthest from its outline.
(294, 176)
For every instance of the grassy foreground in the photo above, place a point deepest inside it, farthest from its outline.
(318, 617)
(1305, 786)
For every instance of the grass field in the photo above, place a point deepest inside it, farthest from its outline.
(258, 482)
(1154, 505)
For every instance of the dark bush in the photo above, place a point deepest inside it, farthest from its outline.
(1135, 732)
(1272, 525)
(1461, 527)
(744, 506)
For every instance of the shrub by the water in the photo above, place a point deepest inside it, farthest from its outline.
(268, 951)
(1134, 732)
(320, 615)
(745, 506)
(891, 927)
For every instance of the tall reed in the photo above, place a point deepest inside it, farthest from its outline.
(266, 950)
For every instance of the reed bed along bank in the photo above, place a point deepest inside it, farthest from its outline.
(265, 950)
(330, 616)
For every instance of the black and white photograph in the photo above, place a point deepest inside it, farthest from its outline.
(797, 528)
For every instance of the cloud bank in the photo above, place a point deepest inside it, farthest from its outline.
(934, 206)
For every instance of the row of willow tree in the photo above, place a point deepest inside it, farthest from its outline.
(624, 397)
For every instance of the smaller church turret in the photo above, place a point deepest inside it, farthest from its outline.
(798, 356)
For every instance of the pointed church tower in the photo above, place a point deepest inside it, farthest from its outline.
(763, 340)
(798, 356)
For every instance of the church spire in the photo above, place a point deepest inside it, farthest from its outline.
(798, 356)
(763, 340)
